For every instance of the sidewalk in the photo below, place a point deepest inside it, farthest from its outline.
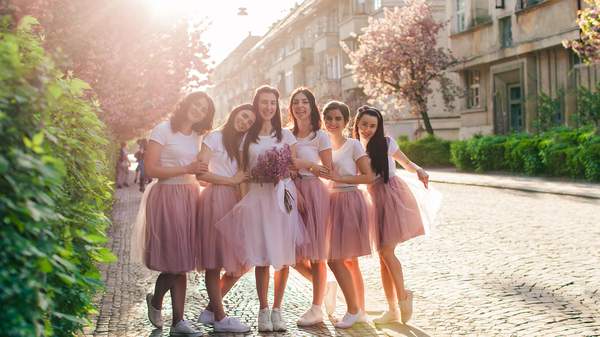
(514, 182)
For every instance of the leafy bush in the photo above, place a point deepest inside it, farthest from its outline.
(549, 112)
(54, 191)
(460, 156)
(428, 152)
(588, 107)
(487, 153)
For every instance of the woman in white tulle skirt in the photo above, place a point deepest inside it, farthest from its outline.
(166, 233)
(265, 227)
(396, 214)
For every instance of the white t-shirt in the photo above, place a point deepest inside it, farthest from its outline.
(266, 143)
(219, 162)
(178, 149)
(344, 159)
(308, 148)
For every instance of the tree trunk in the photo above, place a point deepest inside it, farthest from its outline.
(423, 110)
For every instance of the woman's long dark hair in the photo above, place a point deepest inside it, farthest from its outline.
(377, 148)
(252, 135)
(231, 137)
(179, 116)
(315, 117)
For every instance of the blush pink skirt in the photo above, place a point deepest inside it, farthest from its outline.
(315, 217)
(350, 226)
(395, 213)
(165, 236)
(215, 202)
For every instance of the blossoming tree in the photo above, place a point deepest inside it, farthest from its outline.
(588, 44)
(398, 59)
(137, 62)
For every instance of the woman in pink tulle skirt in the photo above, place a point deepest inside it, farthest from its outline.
(166, 233)
(313, 157)
(395, 212)
(348, 212)
(220, 149)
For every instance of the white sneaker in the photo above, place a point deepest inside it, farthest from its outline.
(390, 316)
(206, 317)
(154, 315)
(363, 317)
(330, 297)
(348, 321)
(183, 328)
(406, 307)
(278, 321)
(264, 320)
(312, 316)
(230, 324)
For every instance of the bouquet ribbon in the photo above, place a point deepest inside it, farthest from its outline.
(282, 191)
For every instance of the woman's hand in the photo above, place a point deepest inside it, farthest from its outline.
(240, 177)
(197, 167)
(330, 175)
(318, 170)
(423, 177)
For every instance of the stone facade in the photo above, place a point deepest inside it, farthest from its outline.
(511, 52)
(303, 49)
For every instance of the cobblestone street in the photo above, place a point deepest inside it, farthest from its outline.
(500, 262)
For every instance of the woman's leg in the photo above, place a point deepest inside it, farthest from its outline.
(280, 280)
(226, 282)
(304, 268)
(344, 279)
(164, 283)
(262, 285)
(211, 279)
(178, 297)
(319, 281)
(395, 269)
(388, 284)
(357, 279)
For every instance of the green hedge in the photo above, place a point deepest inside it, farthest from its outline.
(54, 191)
(559, 152)
(429, 151)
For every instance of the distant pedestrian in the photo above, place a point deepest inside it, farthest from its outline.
(122, 166)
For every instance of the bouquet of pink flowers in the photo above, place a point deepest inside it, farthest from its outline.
(272, 166)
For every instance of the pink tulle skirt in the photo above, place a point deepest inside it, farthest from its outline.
(261, 231)
(350, 226)
(315, 218)
(215, 202)
(165, 235)
(395, 213)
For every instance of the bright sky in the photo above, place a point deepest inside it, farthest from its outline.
(227, 28)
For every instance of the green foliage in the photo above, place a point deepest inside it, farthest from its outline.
(549, 111)
(428, 152)
(588, 107)
(560, 152)
(54, 191)
(460, 156)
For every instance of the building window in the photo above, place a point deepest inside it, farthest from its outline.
(473, 89)
(333, 67)
(289, 81)
(460, 15)
(376, 4)
(505, 32)
(360, 6)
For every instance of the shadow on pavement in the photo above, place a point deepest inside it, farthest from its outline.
(401, 330)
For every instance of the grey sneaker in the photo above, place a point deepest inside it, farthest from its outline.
(264, 320)
(206, 317)
(278, 321)
(154, 315)
(230, 324)
(184, 328)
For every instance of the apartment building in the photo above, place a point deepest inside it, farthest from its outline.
(511, 52)
(303, 49)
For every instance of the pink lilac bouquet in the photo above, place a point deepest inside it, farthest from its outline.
(272, 166)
